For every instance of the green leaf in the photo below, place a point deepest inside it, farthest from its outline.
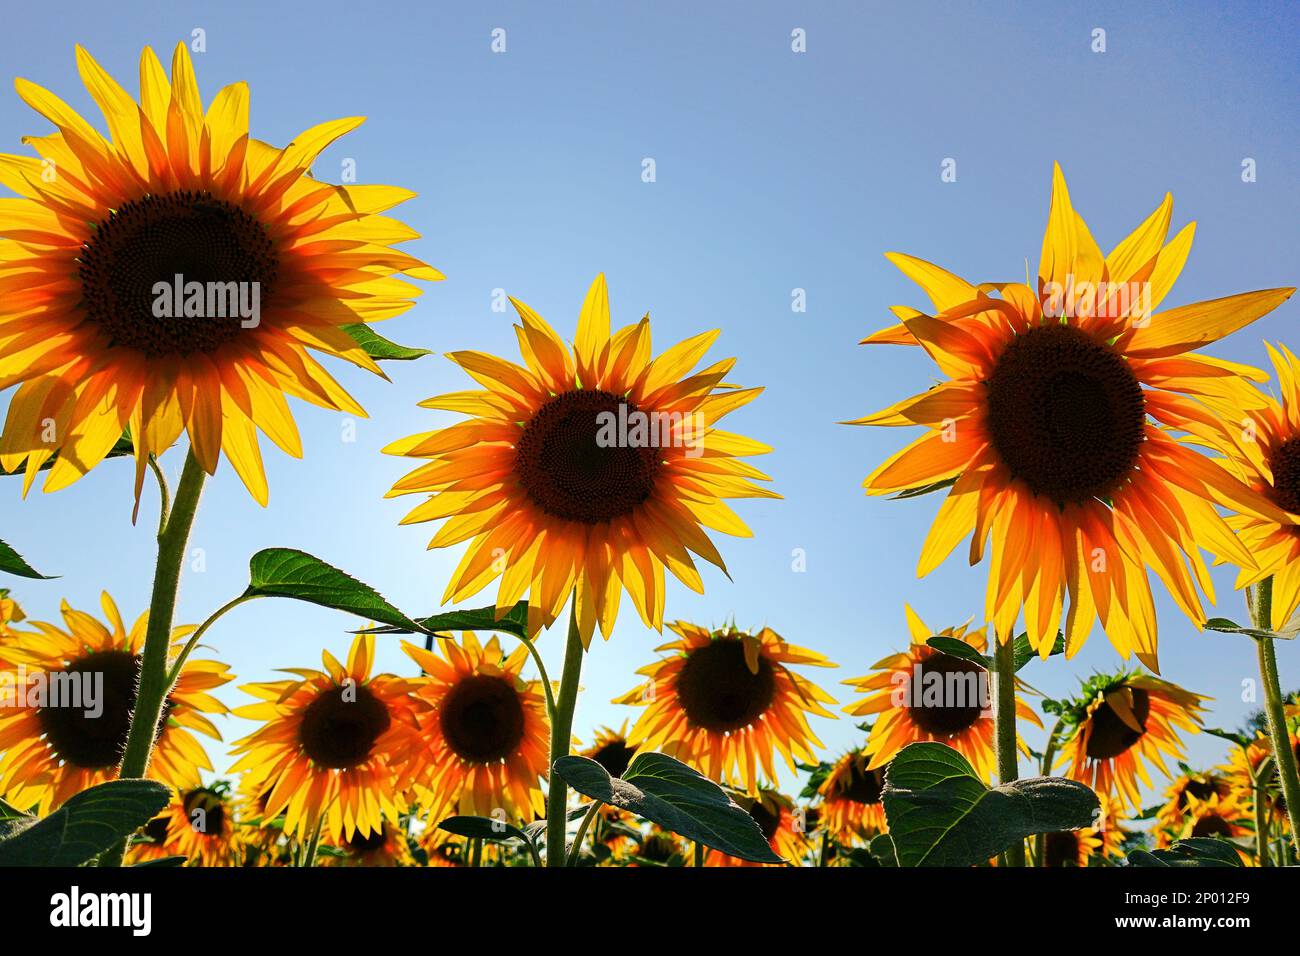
(284, 572)
(924, 489)
(1231, 627)
(1195, 851)
(667, 792)
(378, 347)
(166, 861)
(882, 850)
(514, 621)
(941, 813)
(483, 828)
(12, 561)
(121, 448)
(1241, 740)
(87, 825)
(955, 648)
(1024, 652)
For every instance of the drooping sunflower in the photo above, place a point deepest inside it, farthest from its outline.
(728, 701)
(387, 846)
(199, 824)
(1053, 429)
(1186, 787)
(611, 750)
(177, 196)
(775, 814)
(584, 473)
(56, 744)
(849, 804)
(1089, 846)
(926, 695)
(1121, 723)
(485, 733)
(336, 747)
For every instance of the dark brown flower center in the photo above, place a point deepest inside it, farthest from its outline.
(947, 694)
(657, 848)
(1211, 825)
(340, 727)
(158, 237)
(1285, 465)
(1202, 788)
(574, 466)
(87, 714)
(1065, 414)
(1110, 736)
(482, 719)
(156, 829)
(1061, 849)
(768, 820)
(205, 811)
(860, 785)
(717, 689)
(614, 757)
(362, 844)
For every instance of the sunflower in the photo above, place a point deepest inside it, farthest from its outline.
(584, 473)
(1089, 846)
(849, 804)
(199, 824)
(659, 847)
(485, 733)
(782, 829)
(926, 695)
(1121, 723)
(336, 746)
(1245, 765)
(180, 197)
(1186, 787)
(726, 700)
(385, 847)
(73, 692)
(611, 750)
(1052, 427)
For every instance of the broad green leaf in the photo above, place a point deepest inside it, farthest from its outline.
(1231, 627)
(1240, 739)
(284, 572)
(941, 813)
(378, 347)
(1194, 851)
(955, 648)
(881, 849)
(12, 562)
(514, 621)
(87, 825)
(483, 828)
(667, 792)
(1024, 652)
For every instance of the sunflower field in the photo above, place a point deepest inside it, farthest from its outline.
(169, 282)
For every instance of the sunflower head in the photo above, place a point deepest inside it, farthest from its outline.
(728, 701)
(484, 730)
(199, 824)
(849, 795)
(584, 472)
(1054, 428)
(782, 823)
(336, 746)
(1089, 846)
(1121, 722)
(73, 690)
(172, 275)
(611, 750)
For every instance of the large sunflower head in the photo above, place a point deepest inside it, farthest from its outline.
(1121, 722)
(584, 472)
(925, 695)
(172, 276)
(782, 827)
(849, 794)
(72, 690)
(1053, 429)
(728, 701)
(335, 748)
(1188, 786)
(485, 734)
(199, 824)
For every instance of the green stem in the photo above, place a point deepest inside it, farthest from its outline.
(309, 857)
(576, 849)
(193, 642)
(561, 734)
(1045, 768)
(1259, 797)
(152, 688)
(1004, 725)
(698, 853)
(1283, 754)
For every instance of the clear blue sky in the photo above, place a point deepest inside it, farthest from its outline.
(774, 171)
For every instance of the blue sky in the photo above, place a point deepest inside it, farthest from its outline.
(775, 171)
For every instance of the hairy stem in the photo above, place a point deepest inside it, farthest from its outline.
(561, 734)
